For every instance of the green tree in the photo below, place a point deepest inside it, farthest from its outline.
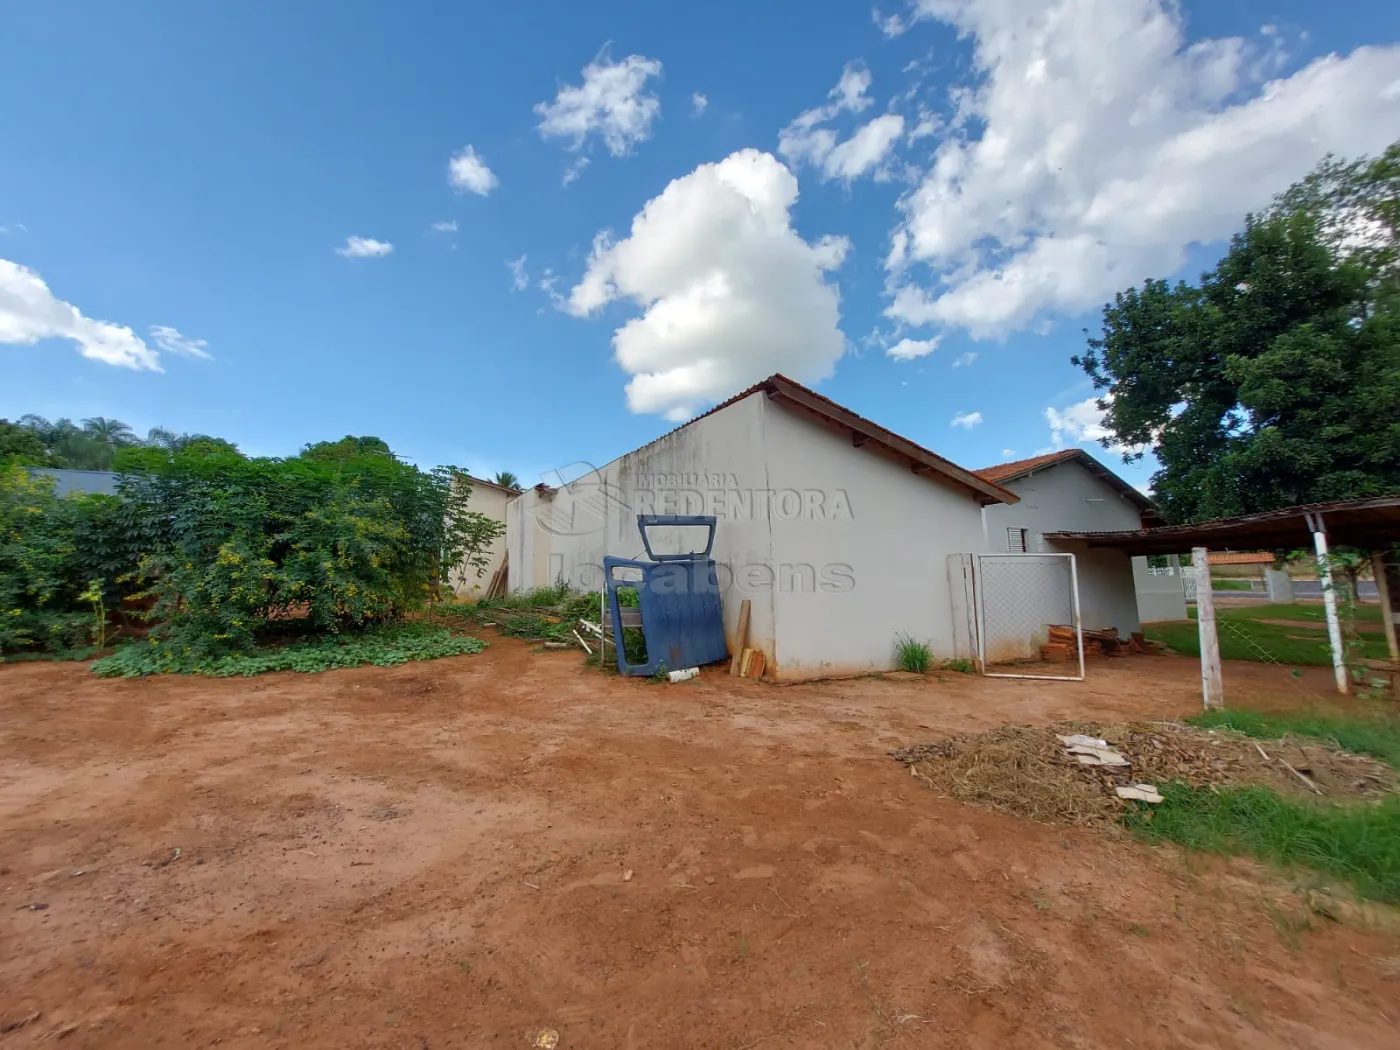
(506, 479)
(1276, 380)
(20, 444)
(348, 447)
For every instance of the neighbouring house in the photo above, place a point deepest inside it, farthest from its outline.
(490, 499)
(1072, 486)
(83, 482)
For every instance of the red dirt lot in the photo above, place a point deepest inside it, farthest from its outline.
(438, 855)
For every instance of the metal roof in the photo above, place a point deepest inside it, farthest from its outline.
(1005, 473)
(865, 434)
(85, 482)
(1370, 524)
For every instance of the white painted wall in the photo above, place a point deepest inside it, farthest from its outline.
(876, 538)
(1065, 497)
(715, 465)
(838, 548)
(1160, 595)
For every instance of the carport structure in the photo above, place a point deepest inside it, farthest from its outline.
(1371, 525)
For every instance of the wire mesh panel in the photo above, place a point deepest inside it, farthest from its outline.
(1028, 616)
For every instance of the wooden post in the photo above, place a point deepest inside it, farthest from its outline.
(1329, 602)
(1378, 569)
(741, 637)
(1212, 679)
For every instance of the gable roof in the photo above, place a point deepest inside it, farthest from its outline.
(865, 434)
(491, 484)
(1005, 473)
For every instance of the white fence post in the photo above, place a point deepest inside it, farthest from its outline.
(1329, 601)
(1212, 679)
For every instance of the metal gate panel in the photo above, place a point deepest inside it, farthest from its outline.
(1018, 597)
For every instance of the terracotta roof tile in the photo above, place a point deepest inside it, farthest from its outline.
(1017, 467)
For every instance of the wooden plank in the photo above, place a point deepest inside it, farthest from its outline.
(741, 637)
(1212, 678)
(1388, 602)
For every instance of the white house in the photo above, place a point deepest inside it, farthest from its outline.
(836, 529)
(1070, 491)
(842, 534)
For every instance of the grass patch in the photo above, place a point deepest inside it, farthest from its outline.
(1360, 843)
(1374, 735)
(912, 655)
(1240, 630)
(382, 647)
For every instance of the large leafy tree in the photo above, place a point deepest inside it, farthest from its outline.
(1276, 379)
(20, 444)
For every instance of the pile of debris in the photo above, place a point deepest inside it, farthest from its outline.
(1063, 647)
(1082, 773)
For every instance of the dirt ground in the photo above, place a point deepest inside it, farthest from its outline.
(466, 852)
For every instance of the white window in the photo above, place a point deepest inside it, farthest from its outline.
(1016, 541)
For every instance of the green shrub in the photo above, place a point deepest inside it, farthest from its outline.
(53, 553)
(383, 647)
(237, 550)
(912, 655)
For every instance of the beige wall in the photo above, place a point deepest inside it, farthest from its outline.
(1066, 497)
(491, 501)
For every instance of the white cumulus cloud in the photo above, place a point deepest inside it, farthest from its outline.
(908, 349)
(698, 104)
(1095, 144)
(29, 312)
(807, 139)
(1082, 423)
(729, 291)
(364, 248)
(468, 173)
(963, 360)
(612, 102)
(966, 420)
(173, 341)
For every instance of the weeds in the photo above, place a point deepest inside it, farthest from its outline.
(959, 665)
(912, 655)
(1360, 842)
(383, 647)
(1375, 735)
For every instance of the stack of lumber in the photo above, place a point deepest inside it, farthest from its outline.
(1062, 646)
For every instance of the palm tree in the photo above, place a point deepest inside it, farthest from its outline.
(112, 432)
(506, 480)
(163, 437)
(49, 433)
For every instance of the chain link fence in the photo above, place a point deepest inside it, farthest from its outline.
(1027, 616)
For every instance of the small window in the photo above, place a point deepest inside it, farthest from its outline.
(1016, 541)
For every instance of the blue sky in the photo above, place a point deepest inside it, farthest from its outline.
(863, 199)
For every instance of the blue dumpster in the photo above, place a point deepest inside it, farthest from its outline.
(678, 597)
